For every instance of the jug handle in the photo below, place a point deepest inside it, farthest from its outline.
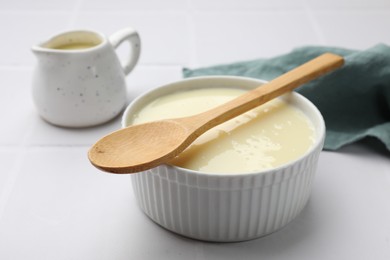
(131, 36)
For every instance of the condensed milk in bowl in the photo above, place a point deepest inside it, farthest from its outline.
(241, 180)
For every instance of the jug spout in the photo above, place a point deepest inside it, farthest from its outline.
(38, 50)
(43, 55)
(45, 48)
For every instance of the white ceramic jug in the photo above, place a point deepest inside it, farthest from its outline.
(79, 80)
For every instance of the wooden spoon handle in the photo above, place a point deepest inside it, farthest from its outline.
(287, 82)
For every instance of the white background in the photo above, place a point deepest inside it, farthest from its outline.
(55, 205)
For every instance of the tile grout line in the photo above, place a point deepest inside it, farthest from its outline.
(14, 172)
(77, 9)
(74, 14)
(15, 67)
(193, 61)
(313, 22)
(142, 65)
(199, 251)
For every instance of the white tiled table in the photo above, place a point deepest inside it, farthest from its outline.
(55, 205)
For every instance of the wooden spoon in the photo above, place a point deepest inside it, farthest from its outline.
(141, 147)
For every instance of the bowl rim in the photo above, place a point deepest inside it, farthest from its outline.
(320, 133)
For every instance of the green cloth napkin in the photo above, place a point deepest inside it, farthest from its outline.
(354, 100)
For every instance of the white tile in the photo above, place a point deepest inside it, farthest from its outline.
(234, 5)
(145, 78)
(8, 159)
(38, 5)
(45, 134)
(229, 37)
(59, 197)
(346, 4)
(164, 36)
(16, 107)
(125, 5)
(22, 30)
(354, 29)
(63, 208)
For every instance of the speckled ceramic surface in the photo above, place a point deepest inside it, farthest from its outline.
(82, 87)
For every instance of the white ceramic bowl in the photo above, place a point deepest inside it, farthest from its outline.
(231, 207)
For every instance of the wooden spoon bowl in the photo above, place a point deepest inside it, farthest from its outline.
(141, 147)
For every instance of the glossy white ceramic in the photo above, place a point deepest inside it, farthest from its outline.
(82, 87)
(226, 207)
